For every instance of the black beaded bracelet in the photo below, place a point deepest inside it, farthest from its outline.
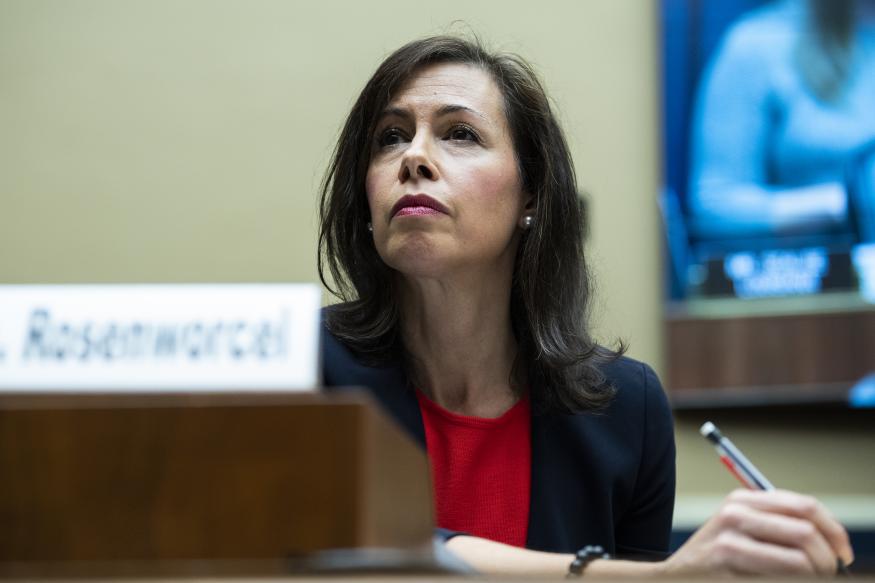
(583, 558)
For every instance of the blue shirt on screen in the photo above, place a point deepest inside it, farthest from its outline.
(768, 156)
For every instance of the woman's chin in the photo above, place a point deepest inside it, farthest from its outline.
(419, 266)
(417, 258)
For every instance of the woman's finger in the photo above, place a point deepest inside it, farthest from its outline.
(800, 506)
(782, 530)
(746, 556)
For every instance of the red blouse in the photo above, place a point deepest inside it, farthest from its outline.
(481, 470)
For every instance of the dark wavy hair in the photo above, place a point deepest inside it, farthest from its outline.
(551, 286)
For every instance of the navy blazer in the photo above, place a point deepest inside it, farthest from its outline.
(605, 478)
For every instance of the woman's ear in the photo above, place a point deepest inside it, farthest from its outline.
(527, 219)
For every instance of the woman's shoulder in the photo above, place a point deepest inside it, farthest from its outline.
(342, 365)
(334, 350)
(637, 389)
(625, 371)
(345, 370)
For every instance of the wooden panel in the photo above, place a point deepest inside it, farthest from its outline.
(791, 350)
(232, 478)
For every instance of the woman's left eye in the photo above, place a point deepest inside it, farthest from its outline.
(463, 133)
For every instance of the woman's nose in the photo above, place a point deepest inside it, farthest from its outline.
(418, 161)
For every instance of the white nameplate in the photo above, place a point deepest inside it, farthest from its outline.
(159, 337)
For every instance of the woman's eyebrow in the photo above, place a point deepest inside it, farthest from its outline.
(394, 111)
(450, 108)
(453, 108)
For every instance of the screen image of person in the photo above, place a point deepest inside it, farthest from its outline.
(784, 109)
(451, 229)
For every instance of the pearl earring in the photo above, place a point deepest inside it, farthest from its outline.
(528, 221)
(370, 227)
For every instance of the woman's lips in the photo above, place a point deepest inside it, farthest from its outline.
(417, 210)
(418, 205)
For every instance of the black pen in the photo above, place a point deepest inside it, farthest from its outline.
(742, 468)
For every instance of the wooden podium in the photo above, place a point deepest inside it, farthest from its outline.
(127, 482)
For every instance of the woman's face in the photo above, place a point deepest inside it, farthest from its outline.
(443, 186)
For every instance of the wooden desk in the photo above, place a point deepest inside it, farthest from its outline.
(204, 480)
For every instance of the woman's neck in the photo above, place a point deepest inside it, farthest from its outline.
(458, 331)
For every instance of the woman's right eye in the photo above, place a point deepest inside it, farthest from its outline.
(390, 137)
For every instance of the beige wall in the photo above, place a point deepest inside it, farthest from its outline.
(183, 141)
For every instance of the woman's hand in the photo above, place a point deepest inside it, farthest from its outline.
(775, 533)
(768, 533)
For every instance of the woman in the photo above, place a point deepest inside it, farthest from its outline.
(451, 227)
